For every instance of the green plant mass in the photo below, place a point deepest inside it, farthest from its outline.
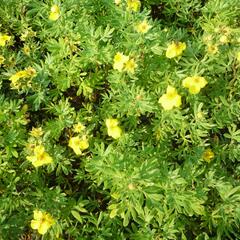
(119, 119)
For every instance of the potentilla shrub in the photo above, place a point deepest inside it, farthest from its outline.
(119, 119)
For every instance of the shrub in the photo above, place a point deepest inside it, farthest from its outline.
(119, 119)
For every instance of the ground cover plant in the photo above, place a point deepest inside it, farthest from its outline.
(119, 119)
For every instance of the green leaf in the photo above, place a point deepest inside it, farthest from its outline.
(77, 216)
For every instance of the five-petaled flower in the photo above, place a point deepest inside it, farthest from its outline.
(143, 27)
(133, 5)
(78, 144)
(208, 155)
(113, 129)
(36, 132)
(40, 157)
(55, 13)
(79, 127)
(170, 99)
(42, 221)
(175, 49)
(130, 66)
(3, 39)
(119, 60)
(194, 84)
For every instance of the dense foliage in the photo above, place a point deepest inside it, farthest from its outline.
(119, 119)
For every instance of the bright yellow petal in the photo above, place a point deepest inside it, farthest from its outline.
(171, 90)
(74, 143)
(111, 122)
(186, 82)
(202, 82)
(37, 215)
(119, 61)
(43, 228)
(83, 143)
(166, 104)
(45, 159)
(175, 49)
(35, 224)
(115, 132)
(32, 159)
(178, 101)
(171, 52)
(38, 150)
(194, 89)
(118, 66)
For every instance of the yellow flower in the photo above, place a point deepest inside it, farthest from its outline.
(18, 75)
(40, 157)
(113, 129)
(207, 38)
(78, 144)
(212, 49)
(36, 132)
(2, 59)
(79, 127)
(208, 155)
(143, 27)
(119, 61)
(130, 66)
(175, 49)
(133, 5)
(194, 84)
(31, 72)
(224, 39)
(170, 99)
(26, 50)
(3, 39)
(27, 73)
(55, 13)
(42, 221)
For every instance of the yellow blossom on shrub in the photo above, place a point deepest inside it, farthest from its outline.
(36, 132)
(224, 39)
(40, 157)
(79, 127)
(208, 155)
(194, 84)
(130, 66)
(212, 49)
(3, 39)
(26, 50)
(119, 60)
(55, 13)
(27, 73)
(18, 75)
(78, 144)
(31, 72)
(143, 27)
(113, 129)
(175, 49)
(133, 5)
(42, 221)
(2, 59)
(170, 99)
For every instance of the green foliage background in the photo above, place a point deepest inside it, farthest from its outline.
(152, 183)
